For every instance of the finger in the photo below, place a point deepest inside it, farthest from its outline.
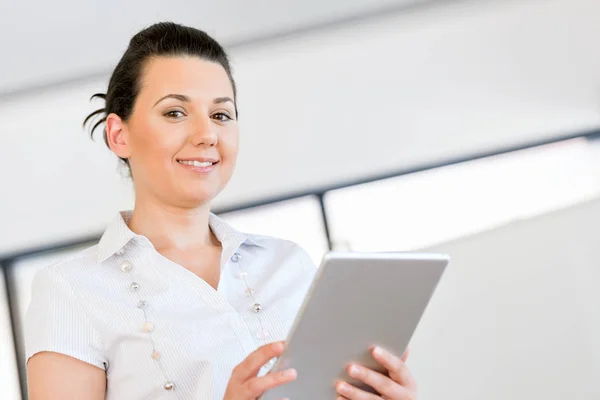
(255, 387)
(252, 364)
(405, 355)
(353, 393)
(382, 384)
(397, 370)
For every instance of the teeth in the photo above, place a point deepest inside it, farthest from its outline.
(197, 163)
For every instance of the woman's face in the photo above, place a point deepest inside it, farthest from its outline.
(182, 137)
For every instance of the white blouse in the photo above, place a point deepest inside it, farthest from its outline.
(159, 330)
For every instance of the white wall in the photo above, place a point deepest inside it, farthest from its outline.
(322, 108)
(516, 314)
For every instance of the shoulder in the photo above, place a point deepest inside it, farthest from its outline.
(282, 249)
(67, 274)
(85, 259)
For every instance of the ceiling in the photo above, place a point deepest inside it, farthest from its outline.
(69, 40)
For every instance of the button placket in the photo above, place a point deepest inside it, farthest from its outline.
(126, 266)
(256, 306)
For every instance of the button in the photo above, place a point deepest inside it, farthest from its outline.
(134, 286)
(236, 257)
(263, 334)
(155, 355)
(120, 252)
(142, 304)
(126, 266)
(148, 327)
(250, 292)
(169, 385)
(242, 275)
(257, 307)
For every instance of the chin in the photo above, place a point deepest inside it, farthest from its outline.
(198, 198)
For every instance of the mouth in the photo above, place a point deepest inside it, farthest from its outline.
(202, 165)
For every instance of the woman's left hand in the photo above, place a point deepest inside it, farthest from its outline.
(398, 384)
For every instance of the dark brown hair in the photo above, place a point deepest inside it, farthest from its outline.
(161, 39)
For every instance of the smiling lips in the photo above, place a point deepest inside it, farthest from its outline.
(201, 165)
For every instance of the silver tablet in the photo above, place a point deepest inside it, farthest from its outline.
(356, 300)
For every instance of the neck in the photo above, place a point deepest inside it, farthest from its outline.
(170, 227)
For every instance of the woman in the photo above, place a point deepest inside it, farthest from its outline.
(173, 303)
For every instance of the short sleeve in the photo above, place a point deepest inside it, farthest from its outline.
(56, 321)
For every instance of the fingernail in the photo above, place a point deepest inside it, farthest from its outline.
(278, 346)
(378, 351)
(342, 387)
(354, 370)
(290, 373)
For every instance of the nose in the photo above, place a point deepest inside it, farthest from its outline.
(203, 132)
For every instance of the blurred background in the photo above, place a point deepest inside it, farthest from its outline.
(468, 127)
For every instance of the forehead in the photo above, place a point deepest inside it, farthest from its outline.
(187, 75)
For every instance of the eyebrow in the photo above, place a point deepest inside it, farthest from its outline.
(180, 97)
(186, 99)
(221, 100)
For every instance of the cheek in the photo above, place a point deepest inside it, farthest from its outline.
(152, 159)
(230, 147)
(154, 147)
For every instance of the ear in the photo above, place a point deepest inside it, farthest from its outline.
(117, 135)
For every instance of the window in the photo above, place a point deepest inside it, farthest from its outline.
(425, 208)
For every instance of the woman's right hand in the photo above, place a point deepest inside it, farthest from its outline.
(244, 383)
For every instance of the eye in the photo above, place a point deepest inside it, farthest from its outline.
(174, 114)
(221, 116)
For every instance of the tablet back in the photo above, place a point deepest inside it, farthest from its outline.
(356, 300)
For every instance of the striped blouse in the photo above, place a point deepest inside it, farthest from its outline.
(159, 330)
